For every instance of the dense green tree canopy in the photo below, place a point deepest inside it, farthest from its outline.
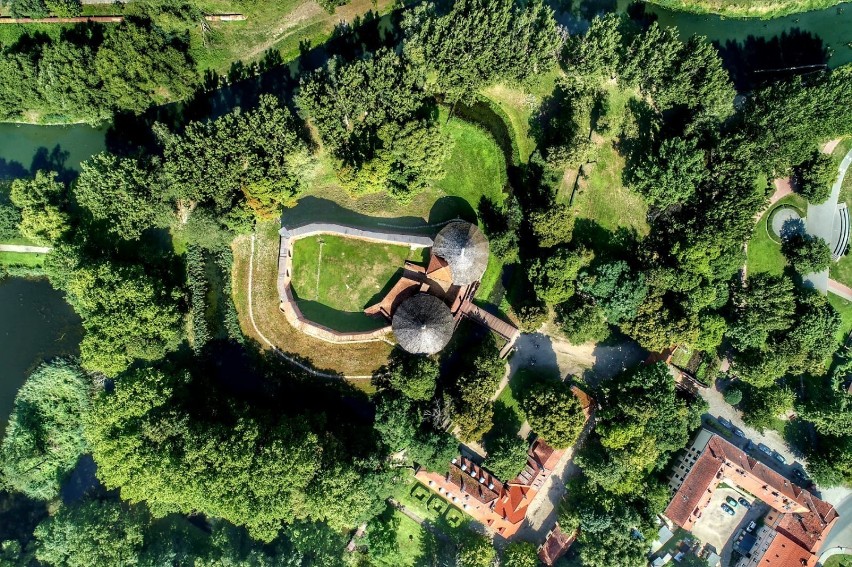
(582, 321)
(44, 437)
(254, 163)
(415, 376)
(93, 534)
(117, 192)
(479, 42)
(554, 277)
(127, 314)
(815, 177)
(507, 455)
(554, 412)
(616, 288)
(642, 421)
(520, 554)
(670, 175)
(42, 201)
(807, 254)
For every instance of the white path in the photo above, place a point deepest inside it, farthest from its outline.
(24, 249)
(820, 222)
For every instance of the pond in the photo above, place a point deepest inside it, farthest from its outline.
(35, 324)
(25, 148)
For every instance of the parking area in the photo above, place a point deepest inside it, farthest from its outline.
(717, 528)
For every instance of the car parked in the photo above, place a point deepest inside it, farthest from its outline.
(743, 502)
(727, 509)
(764, 449)
(751, 527)
(725, 422)
(739, 432)
(732, 502)
(800, 476)
(779, 457)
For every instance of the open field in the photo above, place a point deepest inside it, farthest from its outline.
(763, 9)
(603, 204)
(335, 278)
(764, 252)
(352, 359)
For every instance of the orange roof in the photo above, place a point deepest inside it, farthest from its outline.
(514, 501)
(784, 552)
(804, 518)
(438, 269)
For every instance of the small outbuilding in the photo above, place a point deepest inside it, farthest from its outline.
(423, 324)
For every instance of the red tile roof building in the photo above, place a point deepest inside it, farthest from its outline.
(800, 519)
(555, 545)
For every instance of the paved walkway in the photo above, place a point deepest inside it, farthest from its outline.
(820, 222)
(840, 290)
(24, 249)
(397, 238)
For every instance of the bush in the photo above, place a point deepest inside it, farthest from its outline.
(733, 396)
(816, 176)
(44, 437)
(807, 254)
(582, 321)
(196, 279)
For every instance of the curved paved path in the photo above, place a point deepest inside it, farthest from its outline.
(820, 222)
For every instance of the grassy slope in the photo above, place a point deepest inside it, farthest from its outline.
(845, 309)
(763, 9)
(764, 253)
(352, 275)
(521, 104)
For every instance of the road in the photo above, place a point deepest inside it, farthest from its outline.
(820, 222)
(841, 534)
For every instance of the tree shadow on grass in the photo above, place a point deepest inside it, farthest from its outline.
(451, 208)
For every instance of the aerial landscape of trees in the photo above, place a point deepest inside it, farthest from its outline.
(206, 448)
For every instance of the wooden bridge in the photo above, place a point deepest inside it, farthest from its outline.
(494, 324)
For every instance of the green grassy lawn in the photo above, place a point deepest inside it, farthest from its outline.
(432, 507)
(763, 9)
(764, 252)
(845, 309)
(839, 561)
(520, 104)
(335, 278)
(475, 167)
(23, 259)
(603, 204)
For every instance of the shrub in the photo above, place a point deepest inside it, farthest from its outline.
(733, 396)
(815, 176)
(807, 254)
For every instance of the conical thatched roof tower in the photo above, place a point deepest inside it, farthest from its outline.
(423, 324)
(465, 249)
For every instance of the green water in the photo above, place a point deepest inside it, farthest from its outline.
(833, 26)
(35, 324)
(25, 148)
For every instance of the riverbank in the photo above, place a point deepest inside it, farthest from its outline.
(741, 9)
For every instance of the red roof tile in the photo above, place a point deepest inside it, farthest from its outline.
(555, 546)
(784, 552)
